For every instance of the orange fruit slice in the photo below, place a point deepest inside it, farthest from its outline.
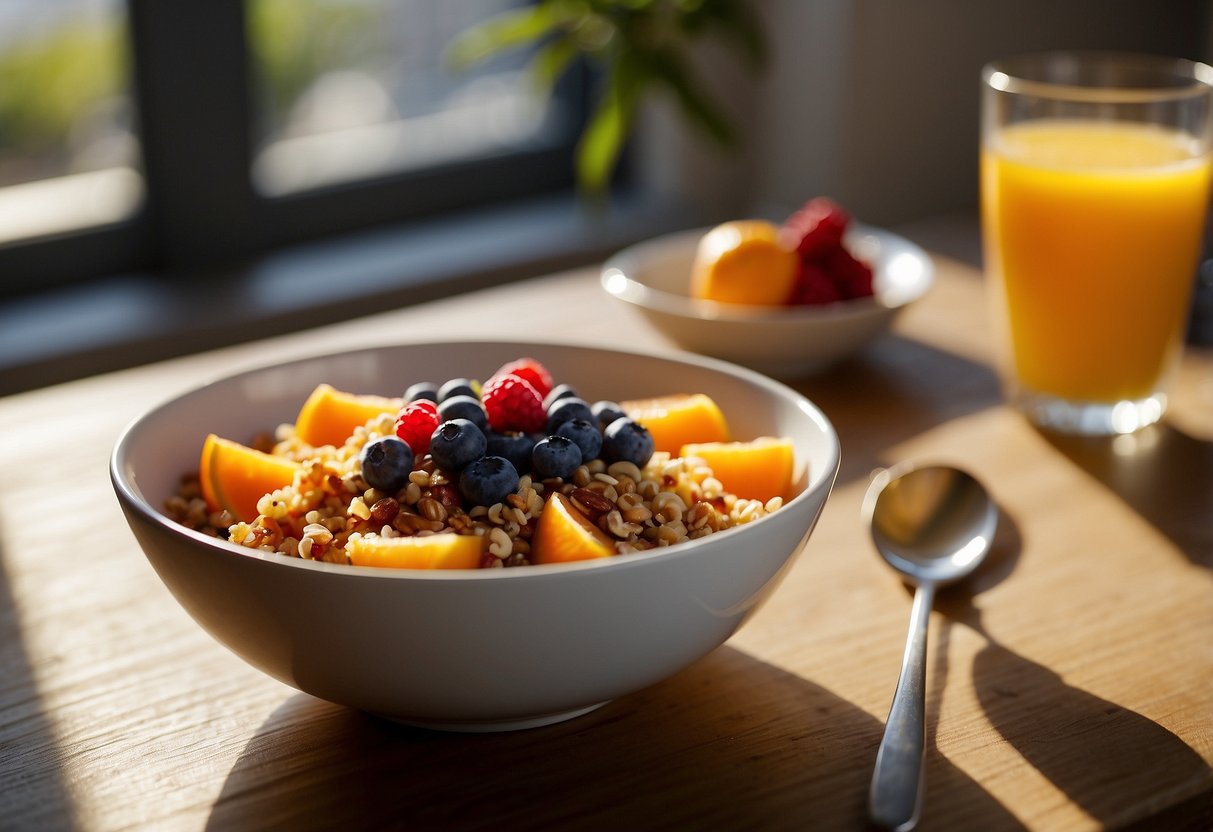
(235, 477)
(757, 470)
(564, 534)
(679, 419)
(446, 550)
(329, 416)
(743, 261)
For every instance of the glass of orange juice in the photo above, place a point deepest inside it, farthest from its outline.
(1095, 173)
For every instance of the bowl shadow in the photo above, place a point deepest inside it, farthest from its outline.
(761, 748)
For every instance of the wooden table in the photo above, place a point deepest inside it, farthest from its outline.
(1070, 688)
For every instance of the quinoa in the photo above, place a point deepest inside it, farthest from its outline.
(668, 501)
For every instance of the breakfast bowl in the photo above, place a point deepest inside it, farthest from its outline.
(471, 649)
(654, 277)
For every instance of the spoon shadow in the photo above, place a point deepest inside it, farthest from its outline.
(730, 743)
(1103, 756)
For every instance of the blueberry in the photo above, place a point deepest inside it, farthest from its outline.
(555, 457)
(386, 463)
(421, 390)
(455, 443)
(585, 435)
(488, 480)
(627, 440)
(516, 447)
(456, 387)
(560, 391)
(565, 410)
(463, 407)
(606, 412)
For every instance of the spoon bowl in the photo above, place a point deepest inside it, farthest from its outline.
(934, 525)
(930, 523)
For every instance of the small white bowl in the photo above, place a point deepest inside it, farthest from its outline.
(490, 649)
(786, 342)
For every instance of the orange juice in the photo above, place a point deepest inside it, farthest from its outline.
(1093, 234)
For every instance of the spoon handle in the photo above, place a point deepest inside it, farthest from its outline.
(896, 792)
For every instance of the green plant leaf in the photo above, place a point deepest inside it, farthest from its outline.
(509, 30)
(604, 135)
(672, 70)
(551, 61)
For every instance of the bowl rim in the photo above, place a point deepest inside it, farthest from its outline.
(617, 281)
(134, 501)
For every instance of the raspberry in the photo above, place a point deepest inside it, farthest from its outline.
(817, 228)
(852, 277)
(416, 424)
(513, 404)
(531, 371)
(813, 286)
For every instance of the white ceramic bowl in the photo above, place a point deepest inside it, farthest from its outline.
(787, 342)
(477, 649)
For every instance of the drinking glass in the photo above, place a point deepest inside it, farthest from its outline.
(1095, 173)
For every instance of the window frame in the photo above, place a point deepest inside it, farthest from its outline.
(191, 80)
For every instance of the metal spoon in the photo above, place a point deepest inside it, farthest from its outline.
(934, 525)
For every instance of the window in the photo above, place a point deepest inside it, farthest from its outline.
(152, 136)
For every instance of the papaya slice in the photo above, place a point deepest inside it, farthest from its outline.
(756, 470)
(679, 419)
(445, 550)
(235, 477)
(744, 262)
(329, 416)
(564, 534)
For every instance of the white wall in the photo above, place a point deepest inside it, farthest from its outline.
(875, 102)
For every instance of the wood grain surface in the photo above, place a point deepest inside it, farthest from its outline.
(1070, 684)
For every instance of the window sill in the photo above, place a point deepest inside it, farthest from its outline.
(126, 320)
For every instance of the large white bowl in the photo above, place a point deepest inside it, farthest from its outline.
(485, 649)
(787, 342)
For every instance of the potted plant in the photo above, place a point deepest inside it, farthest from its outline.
(635, 48)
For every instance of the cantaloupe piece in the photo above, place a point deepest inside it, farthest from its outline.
(744, 262)
(564, 534)
(679, 419)
(446, 550)
(757, 470)
(235, 477)
(329, 416)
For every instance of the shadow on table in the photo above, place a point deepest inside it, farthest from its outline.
(1103, 757)
(763, 749)
(918, 386)
(1162, 473)
(34, 795)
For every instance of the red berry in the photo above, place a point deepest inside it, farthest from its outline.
(513, 404)
(816, 228)
(813, 286)
(530, 370)
(416, 424)
(852, 277)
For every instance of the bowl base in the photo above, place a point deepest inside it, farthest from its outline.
(484, 726)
